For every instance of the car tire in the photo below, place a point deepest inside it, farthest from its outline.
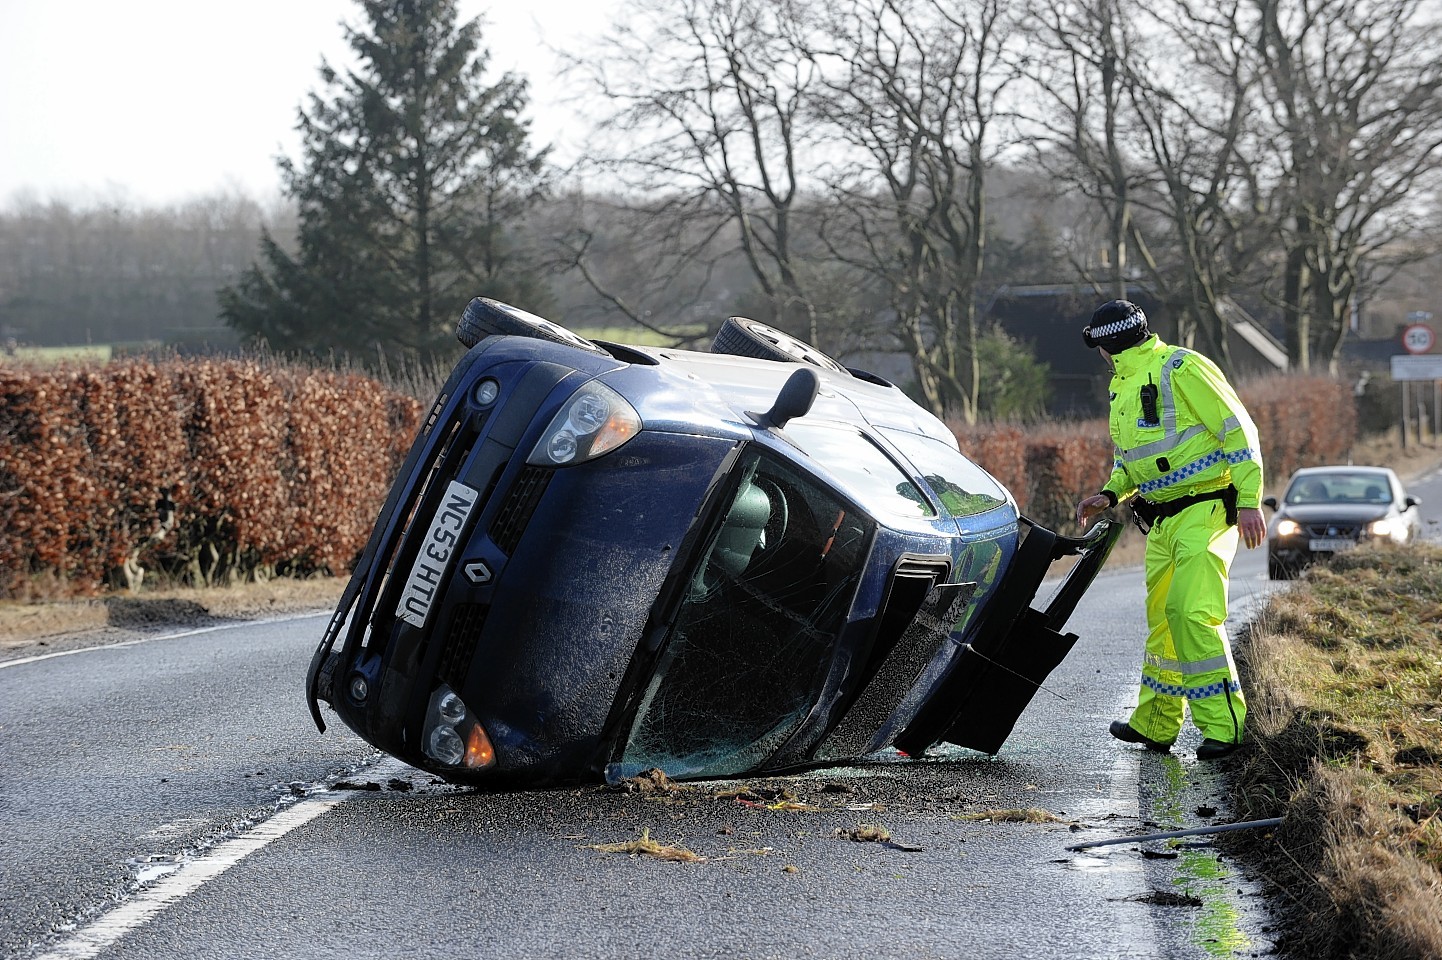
(484, 318)
(741, 337)
(1277, 570)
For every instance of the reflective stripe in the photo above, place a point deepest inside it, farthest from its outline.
(1169, 403)
(1192, 693)
(1196, 467)
(1190, 668)
(1165, 445)
(1148, 450)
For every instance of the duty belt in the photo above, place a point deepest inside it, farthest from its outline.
(1148, 514)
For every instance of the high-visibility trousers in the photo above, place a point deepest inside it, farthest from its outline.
(1189, 660)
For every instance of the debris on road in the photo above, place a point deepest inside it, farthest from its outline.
(1027, 815)
(869, 833)
(648, 847)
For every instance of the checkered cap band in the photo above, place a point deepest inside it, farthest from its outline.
(1116, 325)
(1133, 322)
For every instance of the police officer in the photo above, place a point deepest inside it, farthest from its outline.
(1189, 463)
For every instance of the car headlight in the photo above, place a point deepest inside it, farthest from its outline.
(1392, 527)
(1286, 528)
(451, 736)
(594, 421)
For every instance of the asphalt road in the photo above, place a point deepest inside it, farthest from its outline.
(1428, 489)
(171, 798)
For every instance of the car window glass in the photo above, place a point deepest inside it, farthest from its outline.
(863, 468)
(964, 488)
(1364, 488)
(754, 637)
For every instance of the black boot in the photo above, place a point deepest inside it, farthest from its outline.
(1215, 749)
(1125, 731)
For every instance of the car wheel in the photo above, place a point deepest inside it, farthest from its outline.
(741, 337)
(1277, 570)
(484, 317)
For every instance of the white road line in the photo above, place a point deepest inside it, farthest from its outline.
(163, 636)
(109, 928)
(106, 930)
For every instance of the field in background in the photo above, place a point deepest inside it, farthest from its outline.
(99, 353)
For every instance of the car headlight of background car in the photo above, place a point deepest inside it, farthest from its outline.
(451, 736)
(1288, 528)
(1390, 527)
(594, 421)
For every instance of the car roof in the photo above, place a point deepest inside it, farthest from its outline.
(877, 401)
(1344, 468)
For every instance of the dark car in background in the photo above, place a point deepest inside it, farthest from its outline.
(600, 559)
(1328, 509)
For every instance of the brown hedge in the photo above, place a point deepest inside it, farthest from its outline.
(208, 469)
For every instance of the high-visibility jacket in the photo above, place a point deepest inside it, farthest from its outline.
(1179, 428)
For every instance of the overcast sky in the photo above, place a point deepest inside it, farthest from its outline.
(157, 101)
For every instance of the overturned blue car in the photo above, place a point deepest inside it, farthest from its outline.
(600, 559)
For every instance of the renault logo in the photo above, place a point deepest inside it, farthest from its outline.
(477, 572)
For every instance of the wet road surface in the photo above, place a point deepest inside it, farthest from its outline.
(172, 798)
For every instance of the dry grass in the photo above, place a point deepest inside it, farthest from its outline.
(1345, 685)
(33, 627)
(1385, 449)
(645, 846)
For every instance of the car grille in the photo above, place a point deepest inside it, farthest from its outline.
(467, 624)
(515, 513)
(1331, 530)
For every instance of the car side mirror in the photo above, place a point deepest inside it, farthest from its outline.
(1270, 501)
(797, 395)
(1413, 502)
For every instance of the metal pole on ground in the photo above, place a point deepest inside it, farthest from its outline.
(1436, 397)
(1404, 414)
(1192, 832)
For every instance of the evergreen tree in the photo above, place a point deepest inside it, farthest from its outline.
(412, 169)
(1018, 385)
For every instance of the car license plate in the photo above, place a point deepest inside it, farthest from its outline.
(434, 557)
(1331, 544)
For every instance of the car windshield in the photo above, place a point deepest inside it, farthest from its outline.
(1340, 487)
(964, 488)
(863, 469)
(755, 634)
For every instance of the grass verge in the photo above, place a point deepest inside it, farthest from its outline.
(1344, 677)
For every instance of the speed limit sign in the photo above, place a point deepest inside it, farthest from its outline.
(1418, 338)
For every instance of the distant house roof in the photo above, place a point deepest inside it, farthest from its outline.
(1242, 326)
(1049, 318)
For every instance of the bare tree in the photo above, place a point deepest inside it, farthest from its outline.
(1217, 137)
(1081, 52)
(1355, 90)
(915, 87)
(647, 262)
(708, 106)
(109, 271)
(1197, 116)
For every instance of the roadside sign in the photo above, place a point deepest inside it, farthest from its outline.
(1418, 338)
(1407, 367)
